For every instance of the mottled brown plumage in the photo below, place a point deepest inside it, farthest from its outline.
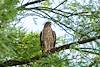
(47, 37)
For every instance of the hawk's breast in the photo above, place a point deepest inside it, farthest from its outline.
(48, 36)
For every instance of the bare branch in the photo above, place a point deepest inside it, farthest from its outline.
(60, 3)
(67, 46)
(86, 51)
(34, 2)
(60, 12)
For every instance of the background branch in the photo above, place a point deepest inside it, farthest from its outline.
(34, 2)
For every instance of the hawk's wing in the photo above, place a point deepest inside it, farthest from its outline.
(54, 36)
(41, 40)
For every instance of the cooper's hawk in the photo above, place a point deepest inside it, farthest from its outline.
(47, 37)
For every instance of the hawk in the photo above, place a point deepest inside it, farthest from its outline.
(47, 38)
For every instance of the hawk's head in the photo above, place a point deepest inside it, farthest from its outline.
(47, 24)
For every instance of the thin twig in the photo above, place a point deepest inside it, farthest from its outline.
(60, 4)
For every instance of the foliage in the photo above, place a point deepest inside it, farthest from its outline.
(46, 4)
(7, 10)
(51, 60)
(8, 40)
(15, 43)
(29, 41)
(79, 19)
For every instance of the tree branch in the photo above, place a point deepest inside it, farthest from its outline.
(67, 46)
(86, 51)
(34, 2)
(60, 12)
(60, 3)
(57, 49)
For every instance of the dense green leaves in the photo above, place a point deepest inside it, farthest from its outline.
(15, 43)
(51, 60)
(8, 41)
(29, 45)
(7, 11)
